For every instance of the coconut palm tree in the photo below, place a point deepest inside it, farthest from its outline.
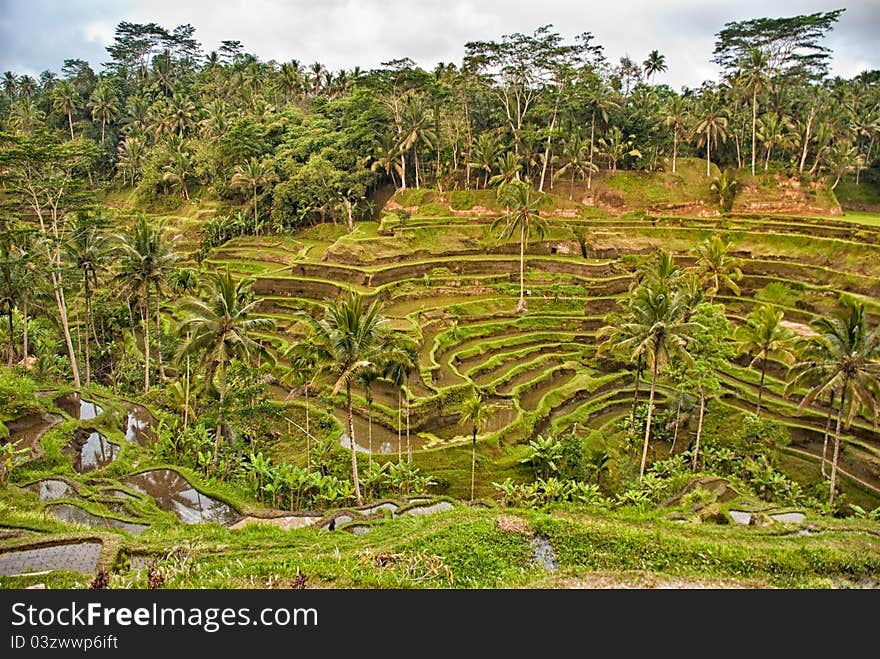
(221, 326)
(398, 362)
(145, 258)
(843, 358)
(712, 126)
(65, 99)
(351, 336)
(485, 153)
(473, 412)
(523, 217)
(104, 105)
(754, 75)
(89, 251)
(657, 331)
(676, 117)
(252, 174)
(418, 130)
(575, 159)
(716, 267)
(654, 64)
(178, 170)
(764, 336)
(366, 378)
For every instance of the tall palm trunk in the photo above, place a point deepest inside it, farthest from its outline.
(65, 326)
(648, 421)
(354, 464)
(370, 432)
(677, 421)
(24, 313)
(521, 305)
(473, 461)
(218, 434)
(70, 124)
(827, 434)
(146, 319)
(761, 386)
(639, 365)
(408, 444)
(256, 225)
(159, 335)
(754, 125)
(592, 138)
(11, 356)
(699, 428)
(547, 146)
(837, 446)
(807, 132)
(399, 424)
(708, 160)
(186, 390)
(674, 148)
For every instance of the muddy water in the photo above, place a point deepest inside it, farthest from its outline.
(51, 488)
(77, 515)
(173, 493)
(27, 430)
(76, 556)
(90, 450)
(530, 399)
(140, 426)
(385, 440)
(78, 408)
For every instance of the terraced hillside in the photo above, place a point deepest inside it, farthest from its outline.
(447, 282)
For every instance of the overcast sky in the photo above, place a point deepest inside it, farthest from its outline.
(39, 34)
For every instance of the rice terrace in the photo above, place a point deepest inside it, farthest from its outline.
(530, 320)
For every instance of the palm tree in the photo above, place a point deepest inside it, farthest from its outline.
(715, 267)
(349, 338)
(676, 117)
(178, 169)
(724, 188)
(221, 327)
(104, 104)
(615, 146)
(145, 258)
(654, 64)
(575, 158)
(509, 166)
(754, 75)
(252, 174)
(475, 413)
(711, 127)
(366, 377)
(131, 153)
(523, 215)
(774, 129)
(398, 362)
(417, 129)
(656, 331)
(599, 101)
(65, 99)
(89, 250)
(764, 335)
(486, 151)
(845, 359)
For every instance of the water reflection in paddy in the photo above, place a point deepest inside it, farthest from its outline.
(173, 493)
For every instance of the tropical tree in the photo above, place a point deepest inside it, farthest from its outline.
(398, 362)
(716, 267)
(843, 358)
(89, 251)
(575, 159)
(764, 336)
(658, 332)
(178, 169)
(655, 63)
(724, 188)
(145, 258)
(523, 217)
(252, 174)
(473, 412)
(366, 378)
(711, 127)
(65, 99)
(104, 105)
(485, 153)
(754, 76)
(676, 117)
(221, 326)
(351, 336)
